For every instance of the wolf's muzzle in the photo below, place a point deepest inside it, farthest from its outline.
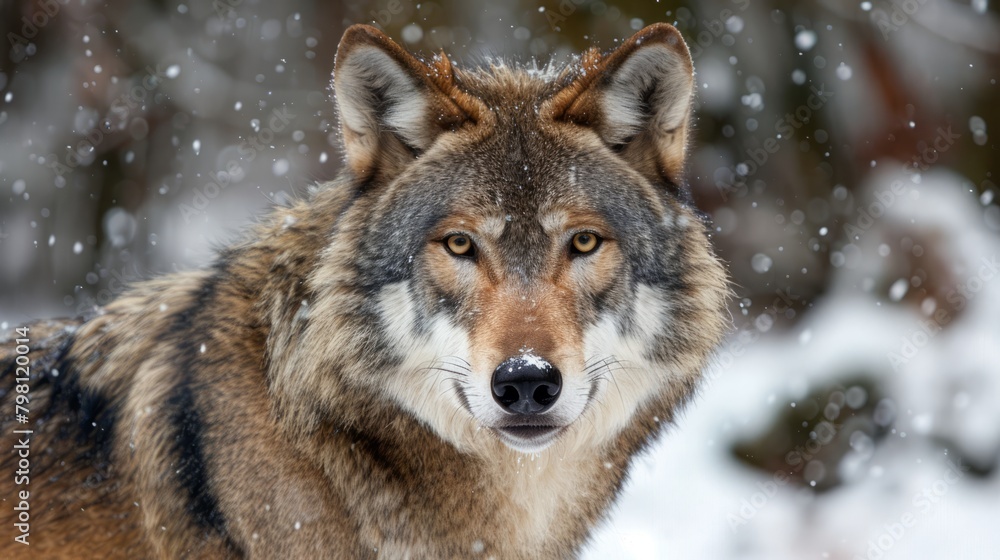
(526, 384)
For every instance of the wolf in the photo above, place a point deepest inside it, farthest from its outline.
(455, 349)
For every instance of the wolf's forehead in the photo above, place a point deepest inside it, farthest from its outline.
(551, 221)
(522, 179)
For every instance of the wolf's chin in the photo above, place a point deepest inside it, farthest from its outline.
(529, 439)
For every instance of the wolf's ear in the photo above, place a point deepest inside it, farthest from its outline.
(392, 106)
(638, 100)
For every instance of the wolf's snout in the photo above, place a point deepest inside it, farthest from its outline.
(526, 384)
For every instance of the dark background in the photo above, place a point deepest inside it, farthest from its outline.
(855, 224)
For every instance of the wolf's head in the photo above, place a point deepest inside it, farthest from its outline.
(519, 258)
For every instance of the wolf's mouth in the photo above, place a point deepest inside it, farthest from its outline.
(529, 439)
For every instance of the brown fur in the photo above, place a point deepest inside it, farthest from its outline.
(248, 413)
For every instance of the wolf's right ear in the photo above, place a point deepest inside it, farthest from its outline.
(392, 106)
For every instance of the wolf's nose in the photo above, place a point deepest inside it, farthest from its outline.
(526, 384)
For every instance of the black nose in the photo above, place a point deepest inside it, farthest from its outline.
(526, 384)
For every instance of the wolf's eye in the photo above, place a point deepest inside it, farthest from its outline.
(584, 243)
(460, 245)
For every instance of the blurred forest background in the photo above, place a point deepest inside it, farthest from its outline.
(846, 152)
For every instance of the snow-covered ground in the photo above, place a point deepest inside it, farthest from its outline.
(907, 496)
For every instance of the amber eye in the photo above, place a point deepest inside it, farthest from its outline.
(585, 242)
(460, 245)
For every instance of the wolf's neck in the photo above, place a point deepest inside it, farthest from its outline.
(520, 504)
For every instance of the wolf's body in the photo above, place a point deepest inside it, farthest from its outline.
(334, 386)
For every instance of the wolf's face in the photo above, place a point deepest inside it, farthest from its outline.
(530, 267)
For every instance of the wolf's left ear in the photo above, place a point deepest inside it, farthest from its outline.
(392, 106)
(638, 100)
